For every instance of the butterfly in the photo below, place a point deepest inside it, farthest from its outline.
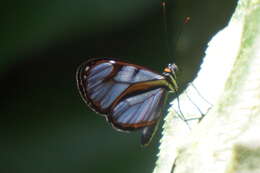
(131, 97)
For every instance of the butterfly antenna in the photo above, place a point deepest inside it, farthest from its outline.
(165, 26)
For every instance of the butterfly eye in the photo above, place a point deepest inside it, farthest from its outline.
(173, 67)
(131, 97)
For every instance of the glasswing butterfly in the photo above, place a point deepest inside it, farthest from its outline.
(131, 97)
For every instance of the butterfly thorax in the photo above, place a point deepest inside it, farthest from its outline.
(170, 75)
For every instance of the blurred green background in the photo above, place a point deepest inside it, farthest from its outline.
(45, 125)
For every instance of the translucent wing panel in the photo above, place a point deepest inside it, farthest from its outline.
(125, 74)
(139, 110)
(105, 93)
(144, 75)
(132, 74)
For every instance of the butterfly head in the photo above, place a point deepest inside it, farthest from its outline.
(170, 74)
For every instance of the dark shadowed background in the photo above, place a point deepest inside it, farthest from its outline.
(45, 125)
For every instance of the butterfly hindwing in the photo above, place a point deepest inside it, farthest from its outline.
(139, 110)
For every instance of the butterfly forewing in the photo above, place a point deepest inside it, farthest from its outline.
(130, 96)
